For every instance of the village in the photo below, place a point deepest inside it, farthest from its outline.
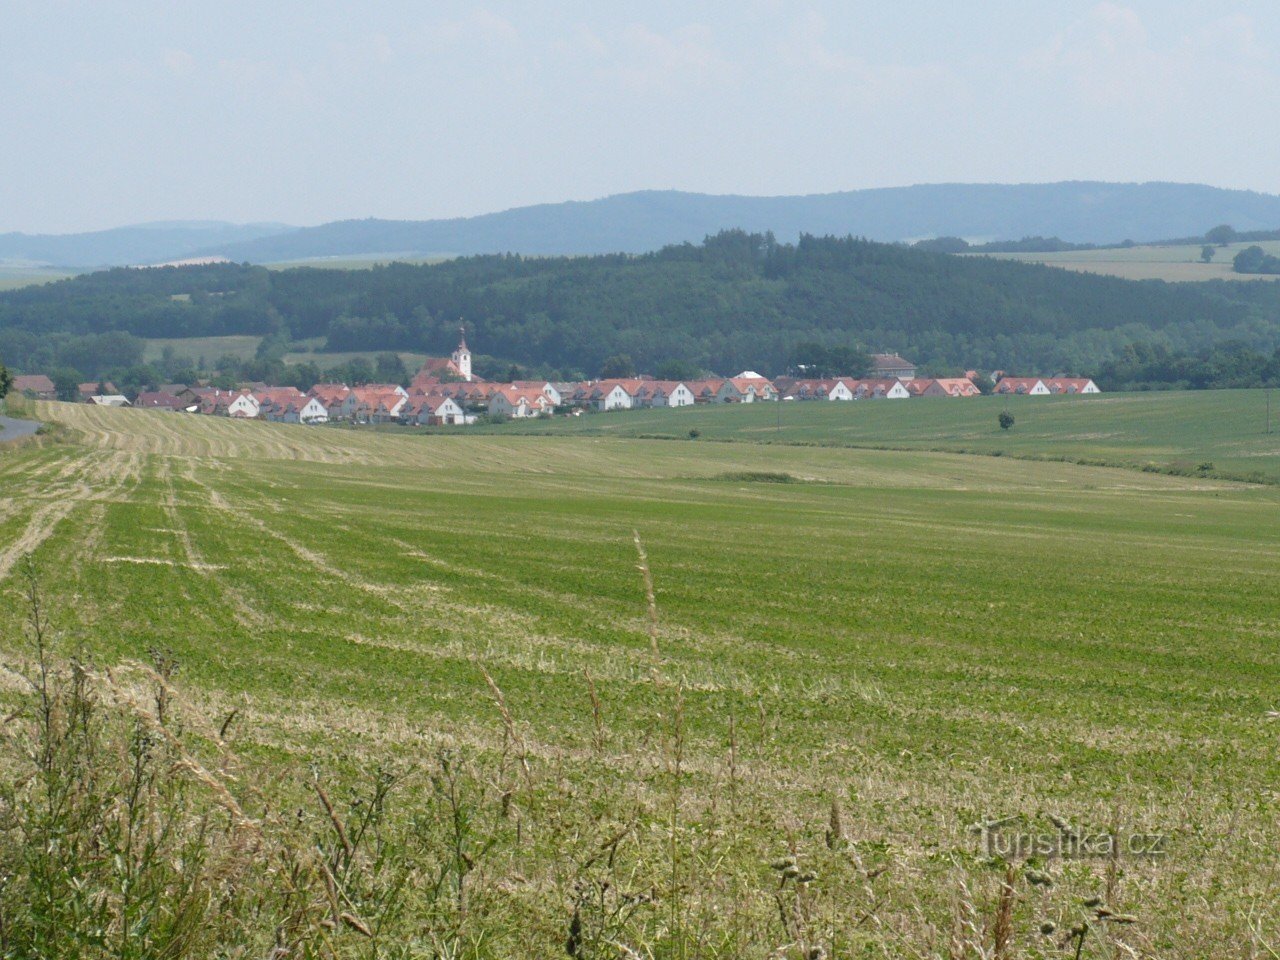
(445, 392)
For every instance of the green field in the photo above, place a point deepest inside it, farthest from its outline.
(924, 639)
(13, 277)
(1149, 262)
(211, 348)
(245, 347)
(1173, 430)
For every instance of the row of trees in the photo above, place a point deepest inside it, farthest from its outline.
(1143, 366)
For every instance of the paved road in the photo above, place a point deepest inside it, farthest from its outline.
(11, 429)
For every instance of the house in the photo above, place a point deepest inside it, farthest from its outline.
(158, 400)
(943, 387)
(272, 399)
(35, 386)
(88, 391)
(1027, 386)
(305, 409)
(109, 400)
(433, 409)
(615, 394)
(1071, 385)
(543, 386)
(665, 393)
(886, 366)
(746, 387)
(705, 391)
(331, 396)
(816, 389)
(511, 401)
(179, 390)
(375, 403)
(878, 389)
(243, 406)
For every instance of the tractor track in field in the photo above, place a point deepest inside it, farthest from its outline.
(94, 478)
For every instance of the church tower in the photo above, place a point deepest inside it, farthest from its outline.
(462, 356)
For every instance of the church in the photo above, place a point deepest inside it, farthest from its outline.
(456, 367)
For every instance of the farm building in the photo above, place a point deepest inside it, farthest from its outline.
(158, 400)
(887, 366)
(36, 385)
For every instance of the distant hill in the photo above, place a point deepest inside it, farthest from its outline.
(1078, 212)
(125, 246)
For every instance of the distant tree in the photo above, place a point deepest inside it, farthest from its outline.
(390, 368)
(1221, 235)
(1207, 252)
(943, 245)
(359, 371)
(513, 373)
(304, 376)
(6, 381)
(617, 367)
(984, 384)
(678, 370)
(66, 381)
(1255, 260)
(1006, 420)
(811, 359)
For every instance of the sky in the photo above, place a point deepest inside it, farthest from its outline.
(125, 111)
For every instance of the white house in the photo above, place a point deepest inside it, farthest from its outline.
(615, 394)
(1071, 385)
(746, 387)
(1026, 386)
(666, 393)
(550, 390)
(879, 389)
(433, 410)
(517, 404)
(246, 405)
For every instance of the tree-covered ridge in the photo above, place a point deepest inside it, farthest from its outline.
(735, 301)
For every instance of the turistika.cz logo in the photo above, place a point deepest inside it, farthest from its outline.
(1010, 840)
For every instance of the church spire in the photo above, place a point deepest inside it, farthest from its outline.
(462, 356)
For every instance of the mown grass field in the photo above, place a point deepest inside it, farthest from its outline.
(1149, 262)
(1174, 430)
(925, 639)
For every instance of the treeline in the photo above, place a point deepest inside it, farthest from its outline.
(1025, 245)
(1143, 366)
(735, 301)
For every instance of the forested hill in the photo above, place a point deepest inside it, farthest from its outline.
(1081, 212)
(736, 301)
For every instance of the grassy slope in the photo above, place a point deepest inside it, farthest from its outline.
(932, 637)
(244, 347)
(1176, 428)
(1173, 263)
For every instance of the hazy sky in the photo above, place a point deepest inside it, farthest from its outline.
(121, 111)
